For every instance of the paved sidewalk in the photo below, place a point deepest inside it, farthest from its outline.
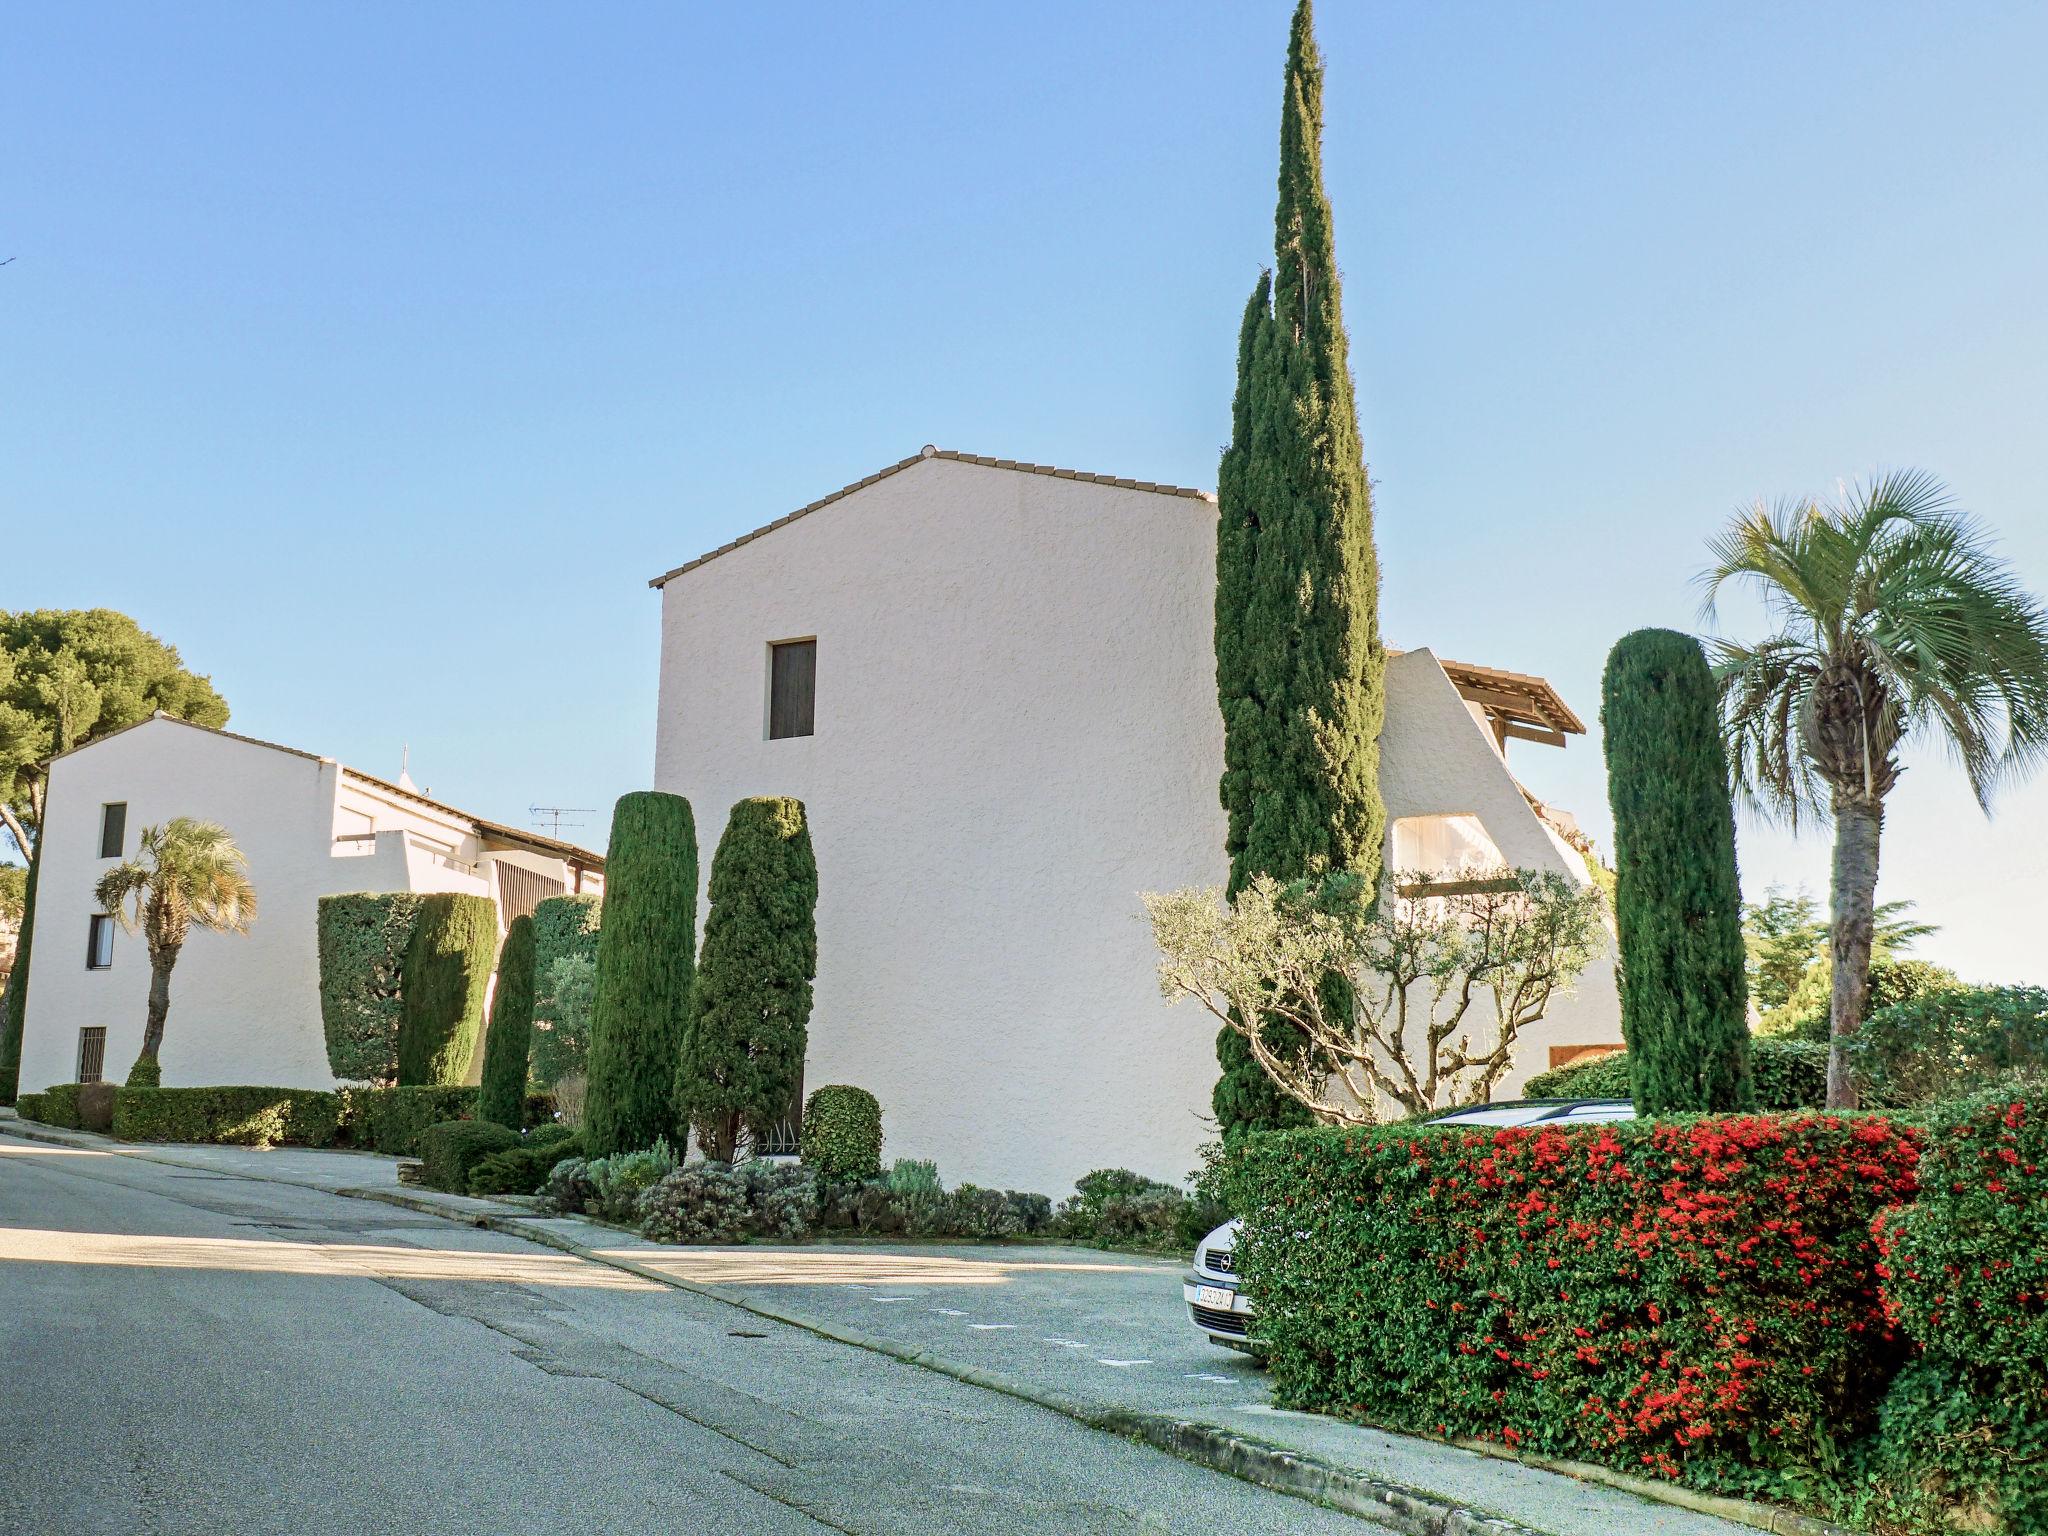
(1098, 1336)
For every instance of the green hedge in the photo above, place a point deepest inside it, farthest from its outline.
(239, 1116)
(449, 1150)
(564, 928)
(1677, 1297)
(841, 1137)
(58, 1107)
(446, 977)
(390, 1120)
(1788, 1074)
(362, 944)
(1947, 1045)
(30, 1107)
(1965, 1428)
(521, 1170)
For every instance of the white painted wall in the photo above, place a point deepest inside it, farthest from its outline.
(1017, 733)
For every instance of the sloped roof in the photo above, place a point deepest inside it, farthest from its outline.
(1516, 695)
(489, 830)
(929, 452)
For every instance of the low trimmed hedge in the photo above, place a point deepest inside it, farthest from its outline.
(390, 1120)
(58, 1106)
(1691, 1297)
(450, 1149)
(842, 1133)
(31, 1106)
(1789, 1074)
(521, 1170)
(235, 1116)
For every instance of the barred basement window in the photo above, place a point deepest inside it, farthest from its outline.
(792, 688)
(92, 1052)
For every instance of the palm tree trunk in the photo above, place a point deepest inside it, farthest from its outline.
(1858, 823)
(160, 963)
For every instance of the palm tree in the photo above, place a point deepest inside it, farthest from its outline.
(1895, 622)
(186, 873)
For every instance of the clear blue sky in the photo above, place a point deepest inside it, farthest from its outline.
(376, 355)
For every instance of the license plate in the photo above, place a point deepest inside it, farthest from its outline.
(1215, 1296)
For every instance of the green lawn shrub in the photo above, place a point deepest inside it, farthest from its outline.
(842, 1133)
(711, 1202)
(148, 1072)
(1949, 1044)
(31, 1106)
(568, 1188)
(914, 1206)
(523, 1169)
(564, 972)
(389, 1120)
(362, 942)
(1963, 1441)
(445, 978)
(60, 1106)
(232, 1116)
(450, 1149)
(1787, 1074)
(1693, 1297)
(1114, 1207)
(618, 1180)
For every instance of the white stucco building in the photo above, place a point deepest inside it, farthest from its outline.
(244, 1008)
(993, 685)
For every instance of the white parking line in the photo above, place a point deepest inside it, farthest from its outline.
(1205, 1376)
(949, 1312)
(892, 1298)
(1122, 1364)
(1065, 1343)
(991, 1327)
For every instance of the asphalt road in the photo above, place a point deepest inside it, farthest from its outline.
(192, 1352)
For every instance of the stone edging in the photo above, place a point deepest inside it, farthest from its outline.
(1413, 1511)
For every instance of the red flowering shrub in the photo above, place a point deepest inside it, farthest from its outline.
(1658, 1295)
(1965, 1274)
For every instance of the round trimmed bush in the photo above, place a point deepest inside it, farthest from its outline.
(842, 1133)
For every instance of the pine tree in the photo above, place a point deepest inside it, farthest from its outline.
(1678, 906)
(646, 959)
(743, 1055)
(447, 975)
(509, 1039)
(1299, 663)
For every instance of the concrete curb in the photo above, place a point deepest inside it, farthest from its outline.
(1413, 1511)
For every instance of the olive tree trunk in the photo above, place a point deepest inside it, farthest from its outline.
(1858, 823)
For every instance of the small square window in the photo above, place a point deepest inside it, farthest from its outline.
(113, 828)
(792, 688)
(99, 942)
(92, 1053)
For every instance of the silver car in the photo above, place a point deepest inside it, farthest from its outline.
(1217, 1304)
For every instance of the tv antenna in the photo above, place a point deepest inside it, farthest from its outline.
(554, 816)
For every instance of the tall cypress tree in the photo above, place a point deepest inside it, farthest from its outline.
(646, 959)
(1299, 663)
(1677, 903)
(508, 1041)
(743, 1055)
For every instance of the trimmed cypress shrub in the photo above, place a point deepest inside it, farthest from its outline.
(842, 1133)
(743, 1054)
(1299, 661)
(14, 1005)
(502, 1097)
(1678, 907)
(564, 929)
(362, 943)
(449, 1150)
(389, 1120)
(521, 1170)
(1787, 1074)
(646, 957)
(446, 977)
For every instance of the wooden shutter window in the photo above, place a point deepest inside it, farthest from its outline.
(792, 688)
(113, 829)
